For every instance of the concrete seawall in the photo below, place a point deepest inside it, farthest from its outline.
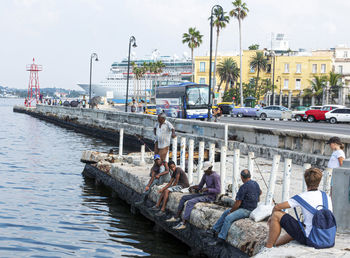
(302, 147)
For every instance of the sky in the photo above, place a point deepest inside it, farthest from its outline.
(62, 34)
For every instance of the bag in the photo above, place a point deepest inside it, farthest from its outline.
(261, 212)
(324, 226)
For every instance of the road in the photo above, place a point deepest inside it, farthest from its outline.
(321, 127)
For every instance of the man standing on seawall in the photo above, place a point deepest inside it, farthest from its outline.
(163, 131)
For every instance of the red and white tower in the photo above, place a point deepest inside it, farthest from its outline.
(33, 87)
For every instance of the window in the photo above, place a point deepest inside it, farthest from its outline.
(212, 67)
(297, 84)
(298, 68)
(202, 67)
(286, 84)
(252, 70)
(202, 80)
(286, 68)
(340, 69)
(323, 68)
(338, 111)
(268, 69)
(345, 54)
(314, 68)
(347, 111)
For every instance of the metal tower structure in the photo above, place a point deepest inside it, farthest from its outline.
(33, 86)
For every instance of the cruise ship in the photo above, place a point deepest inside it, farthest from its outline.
(176, 70)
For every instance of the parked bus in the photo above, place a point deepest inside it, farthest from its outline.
(185, 100)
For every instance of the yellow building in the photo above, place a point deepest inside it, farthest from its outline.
(292, 72)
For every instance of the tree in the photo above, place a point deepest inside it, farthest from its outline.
(193, 39)
(254, 47)
(335, 83)
(258, 63)
(240, 11)
(228, 72)
(316, 89)
(220, 22)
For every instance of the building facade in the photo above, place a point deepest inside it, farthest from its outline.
(293, 72)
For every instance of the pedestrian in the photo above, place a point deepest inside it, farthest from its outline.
(218, 113)
(133, 106)
(247, 199)
(311, 202)
(208, 194)
(159, 175)
(177, 182)
(163, 131)
(338, 154)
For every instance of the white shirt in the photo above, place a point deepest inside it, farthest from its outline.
(163, 134)
(334, 161)
(314, 198)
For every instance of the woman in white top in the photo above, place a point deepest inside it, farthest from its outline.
(338, 154)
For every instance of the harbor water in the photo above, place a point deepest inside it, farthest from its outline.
(47, 209)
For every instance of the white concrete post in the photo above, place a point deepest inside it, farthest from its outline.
(174, 150)
(305, 167)
(223, 168)
(235, 175)
(212, 154)
(142, 154)
(272, 182)
(183, 153)
(190, 160)
(226, 134)
(121, 139)
(286, 179)
(251, 163)
(327, 176)
(200, 161)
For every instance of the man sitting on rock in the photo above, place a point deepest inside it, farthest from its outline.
(208, 194)
(159, 175)
(280, 219)
(247, 199)
(177, 182)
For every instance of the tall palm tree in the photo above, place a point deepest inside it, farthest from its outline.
(220, 22)
(193, 39)
(316, 89)
(240, 11)
(335, 83)
(228, 72)
(258, 63)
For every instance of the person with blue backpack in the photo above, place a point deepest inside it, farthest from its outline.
(318, 229)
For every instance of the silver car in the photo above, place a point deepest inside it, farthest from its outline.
(274, 112)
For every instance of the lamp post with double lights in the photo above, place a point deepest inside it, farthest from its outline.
(132, 41)
(93, 56)
(221, 10)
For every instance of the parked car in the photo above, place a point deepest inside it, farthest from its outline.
(226, 107)
(244, 111)
(151, 110)
(338, 115)
(319, 114)
(274, 112)
(299, 114)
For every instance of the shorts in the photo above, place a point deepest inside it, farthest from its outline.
(175, 188)
(292, 227)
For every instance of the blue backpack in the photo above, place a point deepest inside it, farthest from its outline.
(324, 227)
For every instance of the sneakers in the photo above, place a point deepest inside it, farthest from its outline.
(180, 226)
(160, 213)
(172, 219)
(155, 208)
(220, 241)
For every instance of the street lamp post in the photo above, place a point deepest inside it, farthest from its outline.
(210, 55)
(131, 40)
(93, 56)
(273, 56)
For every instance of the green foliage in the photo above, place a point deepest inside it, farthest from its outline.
(220, 23)
(193, 38)
(240, 10)
(254, 47)
(316, 89)
(228, 72)
(259, 63)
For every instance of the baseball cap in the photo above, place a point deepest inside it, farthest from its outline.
(157, 156)
(207, 165)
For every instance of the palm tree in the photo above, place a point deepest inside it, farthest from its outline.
(316, 89)
(220, 22)
(193, 39)
(228, 72)
(240, 12)
(334, 83)
(259, 63)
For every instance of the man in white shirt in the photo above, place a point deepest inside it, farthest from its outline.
(163, 131)
(280, 219)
